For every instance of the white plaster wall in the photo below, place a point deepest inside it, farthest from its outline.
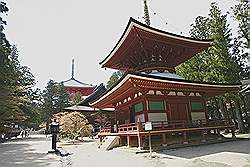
(198, 115)
(180, 94)
(172, 94)
(141, 117)
(157, 117)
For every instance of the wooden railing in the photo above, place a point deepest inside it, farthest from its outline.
(105, 130)
(166, 125)
(127, 127)
(189, 124)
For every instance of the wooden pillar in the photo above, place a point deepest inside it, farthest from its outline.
(139, 138)
(185, 137)
(203, 136)
(120, 141)
(101, 139)
(128, 141)
(164, 139)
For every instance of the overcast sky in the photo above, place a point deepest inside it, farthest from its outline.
(49, 33)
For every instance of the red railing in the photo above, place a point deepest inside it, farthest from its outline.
(127, 127)
(161, 125)
(189, 124)
(105, 130)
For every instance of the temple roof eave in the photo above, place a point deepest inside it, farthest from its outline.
(72, 82)
(134, 24)
(135, 83)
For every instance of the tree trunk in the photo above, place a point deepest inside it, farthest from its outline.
(244, 104)
(239, 116)
(223, 109)
(233, 116)
(219, 114)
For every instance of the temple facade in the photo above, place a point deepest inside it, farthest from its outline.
(150, 90)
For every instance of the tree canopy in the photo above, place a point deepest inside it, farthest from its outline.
(218, 63)
(16, 84)
(114, 78)
(223, 62)
(55, 99)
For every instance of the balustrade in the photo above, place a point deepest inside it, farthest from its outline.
(168, 125)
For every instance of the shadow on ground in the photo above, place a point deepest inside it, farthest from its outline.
(238, 146)
(30, 152)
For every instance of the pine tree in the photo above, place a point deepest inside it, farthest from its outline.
(241, 45)
(9, 107)
(216, 64)
(241, 14)
(55, 99)
(114, 78)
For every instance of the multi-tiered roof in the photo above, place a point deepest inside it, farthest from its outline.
(143, 48)
(73, 86)
(149, 56)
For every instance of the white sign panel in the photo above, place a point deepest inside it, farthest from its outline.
(148, 126)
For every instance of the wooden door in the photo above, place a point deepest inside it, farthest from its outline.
(178, 111)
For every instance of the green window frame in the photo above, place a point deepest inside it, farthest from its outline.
(138, 107)
(197, 106)
(155, 105)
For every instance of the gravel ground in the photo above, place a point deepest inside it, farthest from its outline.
(87, 154)
(228, 154)
(32, 152)
(28, 152)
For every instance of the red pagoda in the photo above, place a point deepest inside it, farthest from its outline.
(150, 91)
(73, 86)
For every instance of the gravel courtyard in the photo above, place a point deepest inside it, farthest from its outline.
(28, 152)
(32, 152)
(229, 154)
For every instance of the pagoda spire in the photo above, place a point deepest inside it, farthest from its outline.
(73, 66)
(146, 13)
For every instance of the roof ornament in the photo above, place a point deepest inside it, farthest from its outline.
(146, 13)
(73, 66)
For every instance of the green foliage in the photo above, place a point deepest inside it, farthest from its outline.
(218, 63)
(241, 14)
(242, 43)
(16, 83)
(223, 62)
(76, 98)
(114, 78)
(3, 10)
(55, 99)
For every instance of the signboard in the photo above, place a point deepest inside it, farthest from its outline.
(148, 126)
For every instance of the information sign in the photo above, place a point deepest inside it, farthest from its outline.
(148, 126)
